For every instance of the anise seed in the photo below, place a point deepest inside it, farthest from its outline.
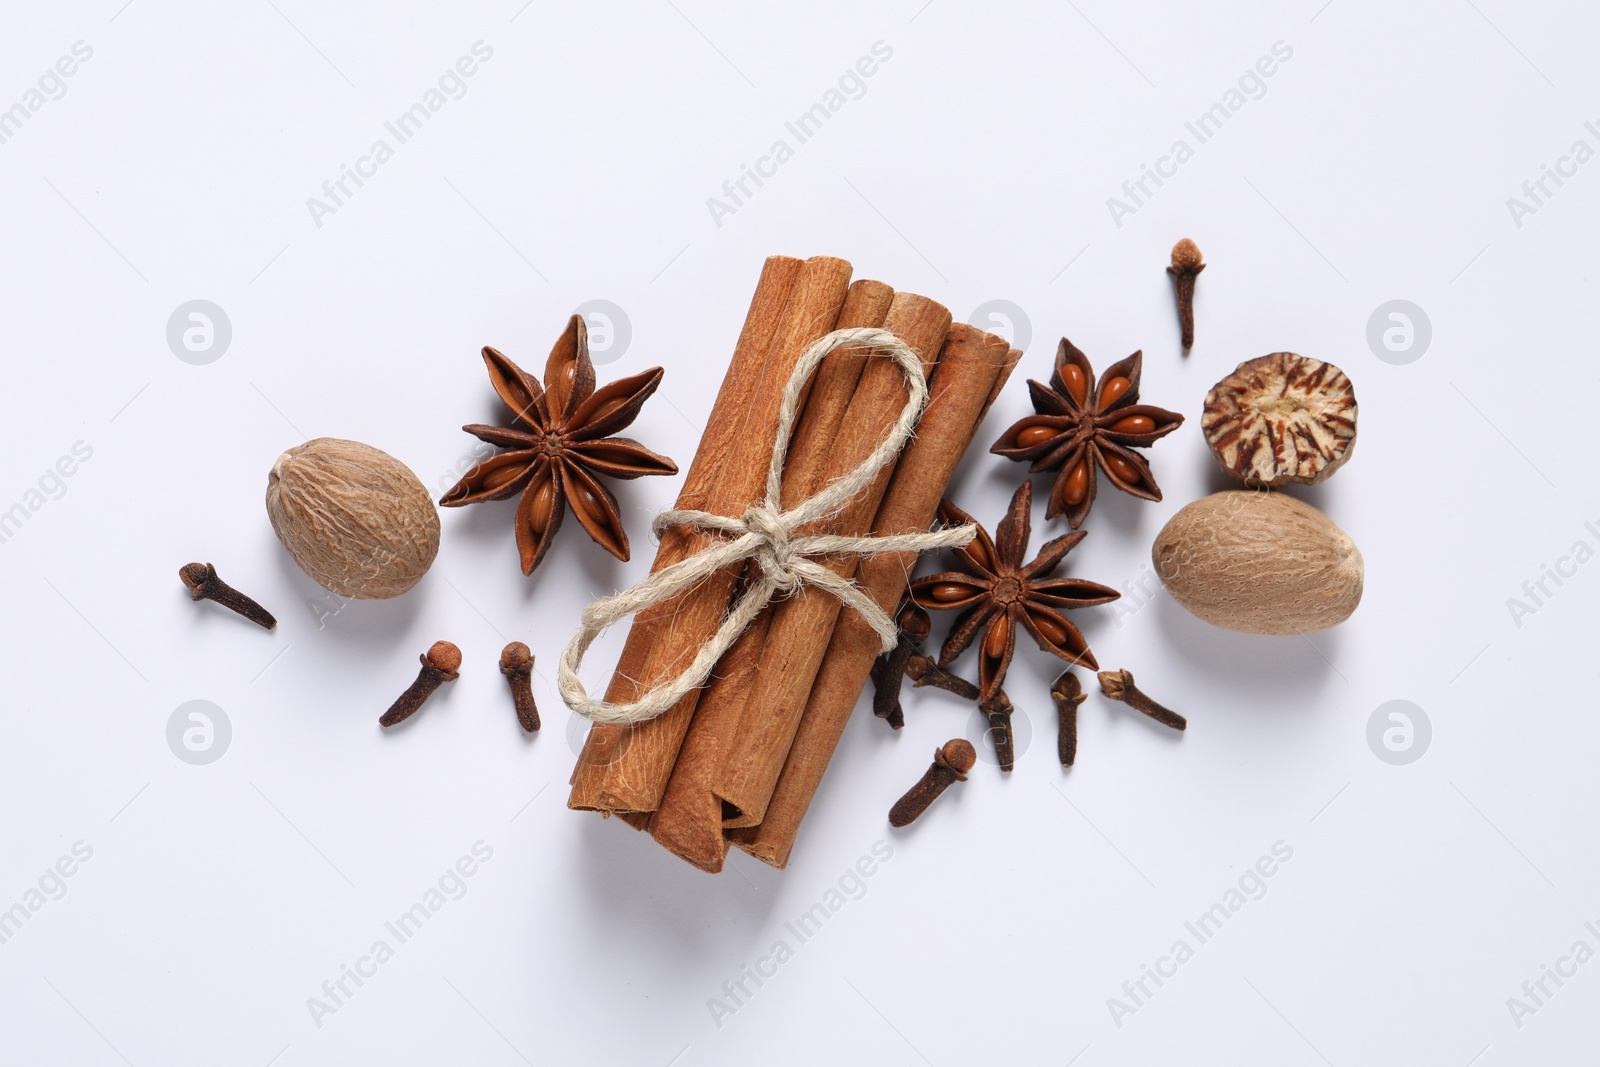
(500, 477)
(1134, 424)
(979, 554)
(1113, 391)
(1077, 385)
(949, 592)
(1122, 469)
(1052, 632)
(994, 642)
(609, 408)
(1034, 435)
(1077, 484)
(543, 498)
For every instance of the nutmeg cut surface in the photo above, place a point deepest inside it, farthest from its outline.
(1259, 563)
(353, 517)
(1281, 418)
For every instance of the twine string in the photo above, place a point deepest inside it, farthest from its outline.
(769, 535)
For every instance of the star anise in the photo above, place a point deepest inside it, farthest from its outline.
(1002, 592)
(1077, 434)
(559, 440)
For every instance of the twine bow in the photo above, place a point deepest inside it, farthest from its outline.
(768, 535)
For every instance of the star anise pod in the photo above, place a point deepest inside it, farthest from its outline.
(1002, 593)
(560, 440)
(1077, 433)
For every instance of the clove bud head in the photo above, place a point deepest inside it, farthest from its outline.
(443, 656)
(1115, 683)
(516, 658)
(1066, 688)
(194, 575)
(913, 621)
(958, 755)
(1185, 257)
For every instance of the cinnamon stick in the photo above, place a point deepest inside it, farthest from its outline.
(801, 625)
(778, 277)
(688, 821)
(971, 370)
(1013, 357)
(636, 778)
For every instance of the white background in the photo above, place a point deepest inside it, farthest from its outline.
(976, 166)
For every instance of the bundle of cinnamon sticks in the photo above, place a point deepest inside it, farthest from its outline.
(738, 761)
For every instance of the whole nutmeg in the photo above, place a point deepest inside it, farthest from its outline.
(1259, 563)
(354, 518)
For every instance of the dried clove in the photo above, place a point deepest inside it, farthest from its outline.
(889, 668)
(997, 709)
(1185, 267)
(440, 664)
(950, 764)
(1118, 685)
(516, 663)
(924, 671)
(906, 660)
(1068, 694)
(203, 584)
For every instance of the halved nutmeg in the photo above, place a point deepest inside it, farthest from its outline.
(1281, 418)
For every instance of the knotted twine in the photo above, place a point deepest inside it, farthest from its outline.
(766, 534)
